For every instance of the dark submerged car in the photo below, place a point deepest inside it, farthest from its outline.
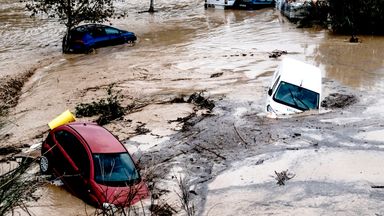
(92, 164)
(85, 38)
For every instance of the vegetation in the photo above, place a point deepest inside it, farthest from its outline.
(356, 16)
(108, 109)
(347, 16)
(16, 188)
(185, 196)
(10, 91)
(73, 12)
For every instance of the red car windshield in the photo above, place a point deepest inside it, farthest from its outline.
(115, 169)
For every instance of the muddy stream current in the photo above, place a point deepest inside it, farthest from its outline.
(178, 49)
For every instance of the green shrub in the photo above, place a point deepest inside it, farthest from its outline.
(357, 16)
(107, 109)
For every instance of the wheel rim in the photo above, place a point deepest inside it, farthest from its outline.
(44, 164)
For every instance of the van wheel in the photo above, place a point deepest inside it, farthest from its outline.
(44, 165)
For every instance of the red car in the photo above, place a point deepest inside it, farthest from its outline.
(92, 164)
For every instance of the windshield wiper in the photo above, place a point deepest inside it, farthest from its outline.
(294, 98)
(302, 102)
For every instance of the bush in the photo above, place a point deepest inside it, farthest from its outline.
(107, 109)
(357, 16)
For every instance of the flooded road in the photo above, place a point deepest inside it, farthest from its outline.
(178, 50)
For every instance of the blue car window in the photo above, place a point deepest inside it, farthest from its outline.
(111, 31)
(98, 32)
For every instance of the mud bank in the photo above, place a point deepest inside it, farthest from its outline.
(230, 160)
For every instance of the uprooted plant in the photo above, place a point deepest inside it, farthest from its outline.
(197, 98)
(107, 109)
(283, 176)
(17, 188)
(153, 175)
(185, 196)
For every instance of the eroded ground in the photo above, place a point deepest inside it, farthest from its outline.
(229, 155)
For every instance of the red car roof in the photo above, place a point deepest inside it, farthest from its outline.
(99, 139)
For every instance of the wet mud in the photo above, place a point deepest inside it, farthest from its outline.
(198, 79)
(337, 100)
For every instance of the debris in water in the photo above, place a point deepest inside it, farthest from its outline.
(141, 129)
(183, 119)
(337, 100)
(197, 99)
(162, 209)
(377, 186)
(259, 162)
(216, 75)
(9, 150)
(178, 100)
(293, 149)
(353, 39)
(296, 135)
(283, 176)
(277, 53)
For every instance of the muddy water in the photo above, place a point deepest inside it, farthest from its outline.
(179, 48)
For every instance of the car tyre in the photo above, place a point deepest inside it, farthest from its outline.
(45, 166)
(90, 50)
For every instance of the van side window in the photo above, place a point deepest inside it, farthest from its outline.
(75, 150)
(275, 84)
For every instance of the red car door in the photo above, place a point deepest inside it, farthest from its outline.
(75, 167)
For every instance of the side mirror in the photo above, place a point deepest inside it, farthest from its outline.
(269, 92)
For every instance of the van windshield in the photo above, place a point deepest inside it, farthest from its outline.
(296, 96)
(115, 169)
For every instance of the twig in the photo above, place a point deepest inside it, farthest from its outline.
(209, 150)
(238, 134)
(377, 186)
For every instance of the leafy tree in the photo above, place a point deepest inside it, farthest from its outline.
(357, 16)
(73, 12)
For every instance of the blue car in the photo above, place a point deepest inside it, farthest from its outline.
(86, 38)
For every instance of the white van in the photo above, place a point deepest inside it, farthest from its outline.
(221, 4)
(295, 87)
(239, 4)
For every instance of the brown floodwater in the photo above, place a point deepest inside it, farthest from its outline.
(179, 48)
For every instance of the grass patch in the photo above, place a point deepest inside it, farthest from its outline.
(17, 188)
